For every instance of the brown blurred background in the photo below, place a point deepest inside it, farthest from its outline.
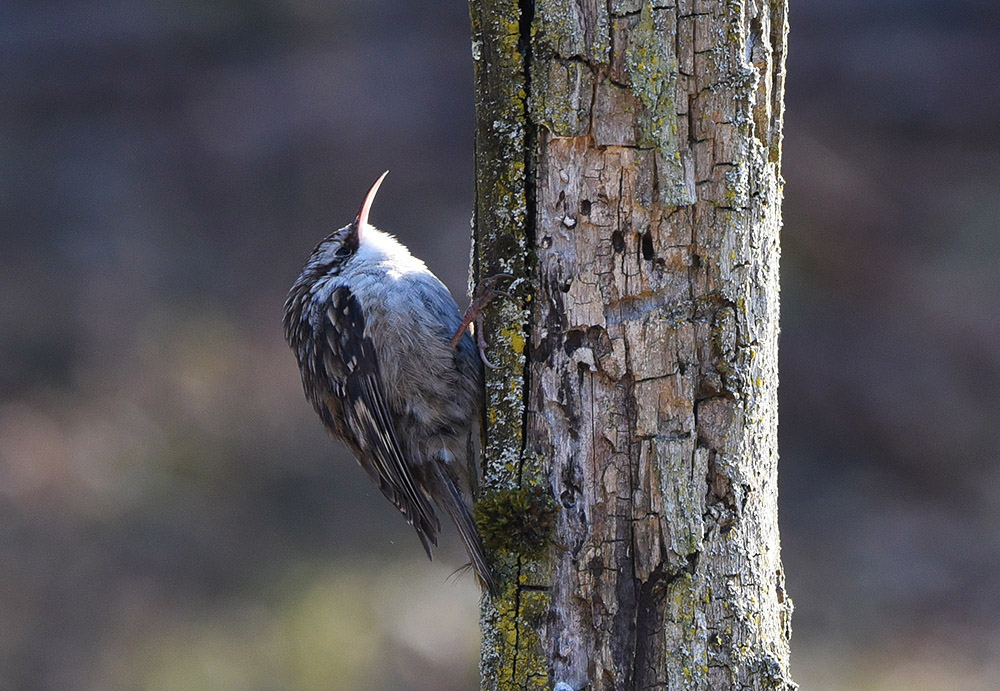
(172, 515)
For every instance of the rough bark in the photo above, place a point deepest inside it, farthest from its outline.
(627, 157)
(513, 655)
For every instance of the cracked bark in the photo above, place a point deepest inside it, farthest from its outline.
(627, 162)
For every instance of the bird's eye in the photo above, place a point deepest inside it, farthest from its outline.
(343, 251)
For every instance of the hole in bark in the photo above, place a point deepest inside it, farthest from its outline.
(618, 241)
(546, 242)
(754, 37)
(564, 286)
(574, 339)
(585, 207)
(696, 261)
(647, 246)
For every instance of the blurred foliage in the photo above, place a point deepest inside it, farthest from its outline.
(342, 627)
(172, 516)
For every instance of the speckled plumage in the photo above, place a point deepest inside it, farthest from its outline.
(371, 328)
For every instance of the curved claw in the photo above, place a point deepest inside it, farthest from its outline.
(487, 293)
(481, 343)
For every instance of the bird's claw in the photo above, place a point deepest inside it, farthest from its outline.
(473, 315)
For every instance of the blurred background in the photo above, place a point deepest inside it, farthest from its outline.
(172, 515)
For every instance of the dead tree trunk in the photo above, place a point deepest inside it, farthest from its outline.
(627, 162)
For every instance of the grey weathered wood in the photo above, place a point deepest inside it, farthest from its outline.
(637, 190)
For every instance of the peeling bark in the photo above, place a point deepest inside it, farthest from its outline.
(628, 157)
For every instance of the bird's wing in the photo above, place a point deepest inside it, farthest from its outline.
(353, 363)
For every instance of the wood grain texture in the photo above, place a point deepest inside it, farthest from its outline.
(652, 139)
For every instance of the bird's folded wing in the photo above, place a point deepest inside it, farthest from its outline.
(367, 415)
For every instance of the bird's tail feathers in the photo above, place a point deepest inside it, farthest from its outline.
(455, 505)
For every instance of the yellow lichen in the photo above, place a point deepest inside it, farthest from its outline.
(516, 339)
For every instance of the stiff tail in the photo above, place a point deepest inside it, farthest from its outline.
(454, 504)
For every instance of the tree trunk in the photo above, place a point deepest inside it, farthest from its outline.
(627, 163)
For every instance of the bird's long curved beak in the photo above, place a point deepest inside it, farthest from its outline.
(366, 205)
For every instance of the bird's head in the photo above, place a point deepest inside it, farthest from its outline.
(341, 245)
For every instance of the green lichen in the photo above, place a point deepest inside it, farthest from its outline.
(652, 68)
(517, 521)
(562, 95)
(559, 27)
(500, 218)
(532, 662)
(512, 629)
(512, 523)
(689, 660)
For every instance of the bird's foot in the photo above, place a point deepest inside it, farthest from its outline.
(486, 294)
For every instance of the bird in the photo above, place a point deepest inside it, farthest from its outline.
(388, 364)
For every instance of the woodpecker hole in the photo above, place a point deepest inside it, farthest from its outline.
(585, 207)
(618, 241)
(647, 246)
